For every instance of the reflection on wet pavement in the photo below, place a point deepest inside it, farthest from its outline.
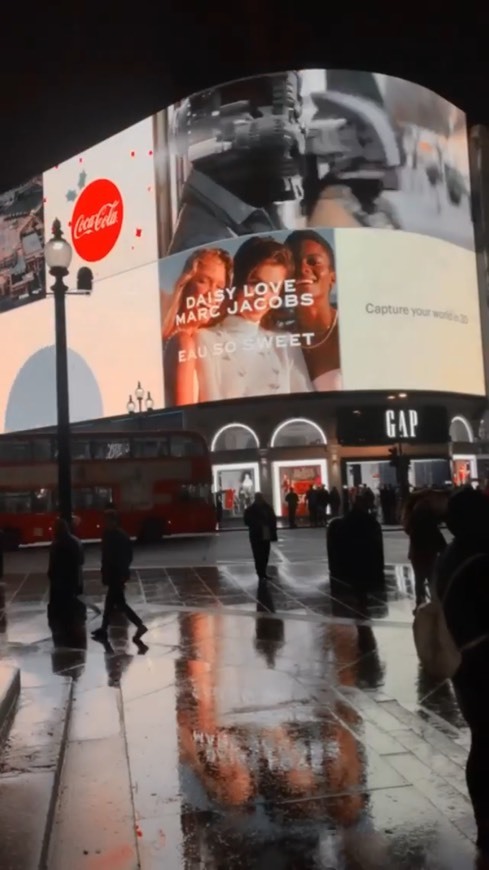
(284, 726)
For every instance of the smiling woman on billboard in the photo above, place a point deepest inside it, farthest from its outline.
(193, 305)
(271, 328)
(314, 264)
(238, 357)
(239, 339)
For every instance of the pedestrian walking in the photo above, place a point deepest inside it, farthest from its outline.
(292, 500)
(312, 505)
(219, 508)
(262, 526)
(116, 565)
(334, 501)
(322, 505)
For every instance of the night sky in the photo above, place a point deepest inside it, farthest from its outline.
(70, 79)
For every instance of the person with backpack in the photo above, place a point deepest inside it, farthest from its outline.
(461, 588)
(116, 565)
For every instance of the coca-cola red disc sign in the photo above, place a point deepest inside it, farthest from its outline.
(97, 220)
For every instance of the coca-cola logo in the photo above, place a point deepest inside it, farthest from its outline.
(97, 220)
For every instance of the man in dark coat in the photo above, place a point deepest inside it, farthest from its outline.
(262, 527)
(292, 500)
(116, 565)
(355, 548)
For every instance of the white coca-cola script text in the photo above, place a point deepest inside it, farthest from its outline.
(107, 216)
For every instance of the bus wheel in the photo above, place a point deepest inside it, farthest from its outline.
(12, 539)
(152, 531)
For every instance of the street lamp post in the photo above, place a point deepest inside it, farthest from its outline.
(139, 393)
(58, 255)
(148, 402)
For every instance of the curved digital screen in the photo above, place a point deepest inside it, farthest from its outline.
(306, 231)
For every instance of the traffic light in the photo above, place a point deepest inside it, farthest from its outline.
(394, 457)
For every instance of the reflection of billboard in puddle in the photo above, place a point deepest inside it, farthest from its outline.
(253, 741)
(22, 277)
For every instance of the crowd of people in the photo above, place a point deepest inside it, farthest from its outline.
(323, 504)
(320, 502)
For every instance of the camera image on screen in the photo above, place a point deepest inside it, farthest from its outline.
(316, 148)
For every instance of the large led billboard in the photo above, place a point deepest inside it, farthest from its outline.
(307, 231)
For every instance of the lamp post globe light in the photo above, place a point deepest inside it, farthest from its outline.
(58, 255)
(140, 399)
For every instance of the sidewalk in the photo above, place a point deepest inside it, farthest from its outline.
(237, 524)
(236, 738)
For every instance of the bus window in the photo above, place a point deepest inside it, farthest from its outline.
(143, 449)
(41, 501)
(15, 502)
(186, 445)
(195, 492)
(15, 451)
(102, 496)
(164, 447)
(110, 449)
(93, 498)
(42, 449)
(80, 449)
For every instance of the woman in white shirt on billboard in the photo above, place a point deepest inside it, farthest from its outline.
(238, 357)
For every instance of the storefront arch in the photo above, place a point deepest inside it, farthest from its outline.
(461, 430)
(234, 436)
(298, 432)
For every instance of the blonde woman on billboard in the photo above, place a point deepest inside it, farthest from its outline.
(193, 306)
(314, 269)
(238, 357)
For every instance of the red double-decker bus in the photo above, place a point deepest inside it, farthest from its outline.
(160, 483)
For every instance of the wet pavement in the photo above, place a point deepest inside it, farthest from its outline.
(287, 726)
(229, 548)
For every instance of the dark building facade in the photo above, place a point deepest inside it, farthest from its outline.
(343, 441)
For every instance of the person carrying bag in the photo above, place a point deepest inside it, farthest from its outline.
(437, 651)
